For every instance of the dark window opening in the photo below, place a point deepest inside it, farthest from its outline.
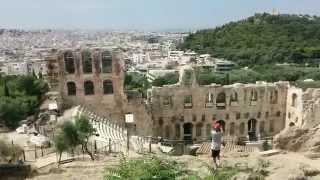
(199, 129)
(72, 90)
(86, 62)
(106, 62)
(177, 129)
(69, 62)
(221, 100)
(107, 87)
(232, 127)
(88, 88)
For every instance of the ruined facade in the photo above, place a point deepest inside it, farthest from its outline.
(303, 107)
(94, 79)
(253, 110)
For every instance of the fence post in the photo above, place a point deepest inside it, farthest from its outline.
(150, 145)
(41, 151)
(109, 145)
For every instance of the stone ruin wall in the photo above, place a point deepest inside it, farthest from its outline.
(114, 105)
(269, 116)
(99, 102)
(294, 107)
(155, 118)
(303, 107)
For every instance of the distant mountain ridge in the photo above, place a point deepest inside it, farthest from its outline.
(261, 39)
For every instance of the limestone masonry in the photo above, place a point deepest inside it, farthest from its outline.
(94, 78)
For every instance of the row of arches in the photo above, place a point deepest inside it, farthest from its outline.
(221, 97)
(185, 131)
(87, 61)
(88, 87)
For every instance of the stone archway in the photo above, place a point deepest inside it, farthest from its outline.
(252, 128)
(187, 131)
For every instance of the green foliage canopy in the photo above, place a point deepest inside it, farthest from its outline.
(261, 39)
(19, 97)
(167, 79)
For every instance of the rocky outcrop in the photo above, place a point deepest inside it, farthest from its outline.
(299, 139)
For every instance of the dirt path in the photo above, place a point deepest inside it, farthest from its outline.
(281, 166)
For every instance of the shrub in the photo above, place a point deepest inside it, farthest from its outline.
(148, 167)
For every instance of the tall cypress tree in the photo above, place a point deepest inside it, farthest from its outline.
(6, 89)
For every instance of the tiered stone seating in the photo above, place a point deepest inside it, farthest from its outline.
(106, 129)
(109, 130)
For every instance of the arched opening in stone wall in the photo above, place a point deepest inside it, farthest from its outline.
(209, 97)
(188, 102)
(262, 127)
(69, 62)
(177, 130)
(86, 62)
(209, 100)
(252, 127)
(223, 124)
(106, 62)
(234, 97)
(199, 129)
(71, 88)
(254, 95)
(232, 129)
(294, 100)
(88, 88)
(242, 128)
(187, 131)
(107, 87)
(221, 100)
(274, 97)
(167, 131)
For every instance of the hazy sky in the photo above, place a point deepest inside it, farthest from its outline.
(140, 14)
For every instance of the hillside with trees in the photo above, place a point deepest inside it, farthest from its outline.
(261, 39)
(19, 98)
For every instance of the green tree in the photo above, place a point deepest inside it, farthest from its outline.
(40, 75)
(60, 144)
(167, 79)
(71, 135)
(261, 39)
(20, 98)
(85, 131)
(6, 89)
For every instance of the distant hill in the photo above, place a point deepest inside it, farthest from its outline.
(261, 39)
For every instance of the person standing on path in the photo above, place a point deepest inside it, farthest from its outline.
(216, 143)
